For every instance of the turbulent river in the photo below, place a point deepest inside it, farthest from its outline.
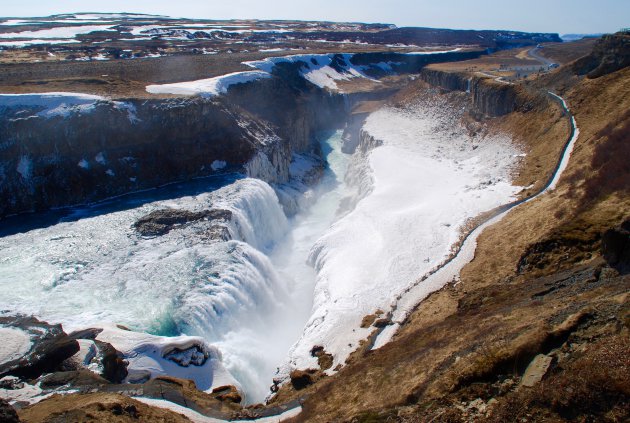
(250, 296)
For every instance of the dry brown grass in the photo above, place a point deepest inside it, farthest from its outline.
(513, 57)
(593, 387)
(98, 407)
(563, 53)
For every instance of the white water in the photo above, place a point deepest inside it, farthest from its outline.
(267, 348)
(248, 297)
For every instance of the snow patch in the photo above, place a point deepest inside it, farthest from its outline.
(151, 356)
(58, 32)
(208, 87)
(100, 158)
(25, 43)
(322, 70)
(427, 178)
(15, 344)
(52, 104)
(196, 417)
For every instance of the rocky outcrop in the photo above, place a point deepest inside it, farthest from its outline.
(108, 361)
(452, 81)
(488, 97)
(160, 222)
(616, 247)
(493, 98)
(300, 379)
(49, 347)
(8, 413)
(227, 393)
(611, 53)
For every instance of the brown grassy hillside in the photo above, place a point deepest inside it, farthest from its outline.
(539, 294)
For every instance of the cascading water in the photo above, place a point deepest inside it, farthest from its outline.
(249, 296)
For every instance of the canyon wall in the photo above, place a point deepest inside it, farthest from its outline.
(79, 154)
(65, 154)
(488, 96)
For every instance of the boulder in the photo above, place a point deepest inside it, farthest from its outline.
(300, 379)
(227, 393)
(111, 363)
(616, 247)
(8, 413)
(114, 367)
(536, 370)
(50, 346)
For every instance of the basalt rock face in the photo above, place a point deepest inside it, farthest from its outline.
(409, 63)
(492, 98)
(295, 108)
(451, 81)
(611, 53)
(488, 97)
(83, 155)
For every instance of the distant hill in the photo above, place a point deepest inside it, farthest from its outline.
(575, 37)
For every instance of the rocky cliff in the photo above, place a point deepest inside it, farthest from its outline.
(71, 154)
(488, 97)
(611, 53)
(55, 153)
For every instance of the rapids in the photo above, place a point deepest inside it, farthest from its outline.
(249, 297)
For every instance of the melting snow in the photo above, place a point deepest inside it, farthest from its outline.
(150, 356)
(34, 42)
(208, 87)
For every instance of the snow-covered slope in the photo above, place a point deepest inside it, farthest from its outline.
(322, 70)
(427, 179)
(208, 87)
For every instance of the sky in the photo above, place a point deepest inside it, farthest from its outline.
(561, 16)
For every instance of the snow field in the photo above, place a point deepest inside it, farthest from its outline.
(427, 179)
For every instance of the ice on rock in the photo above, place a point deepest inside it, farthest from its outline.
(15, 343)
(185, 357)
